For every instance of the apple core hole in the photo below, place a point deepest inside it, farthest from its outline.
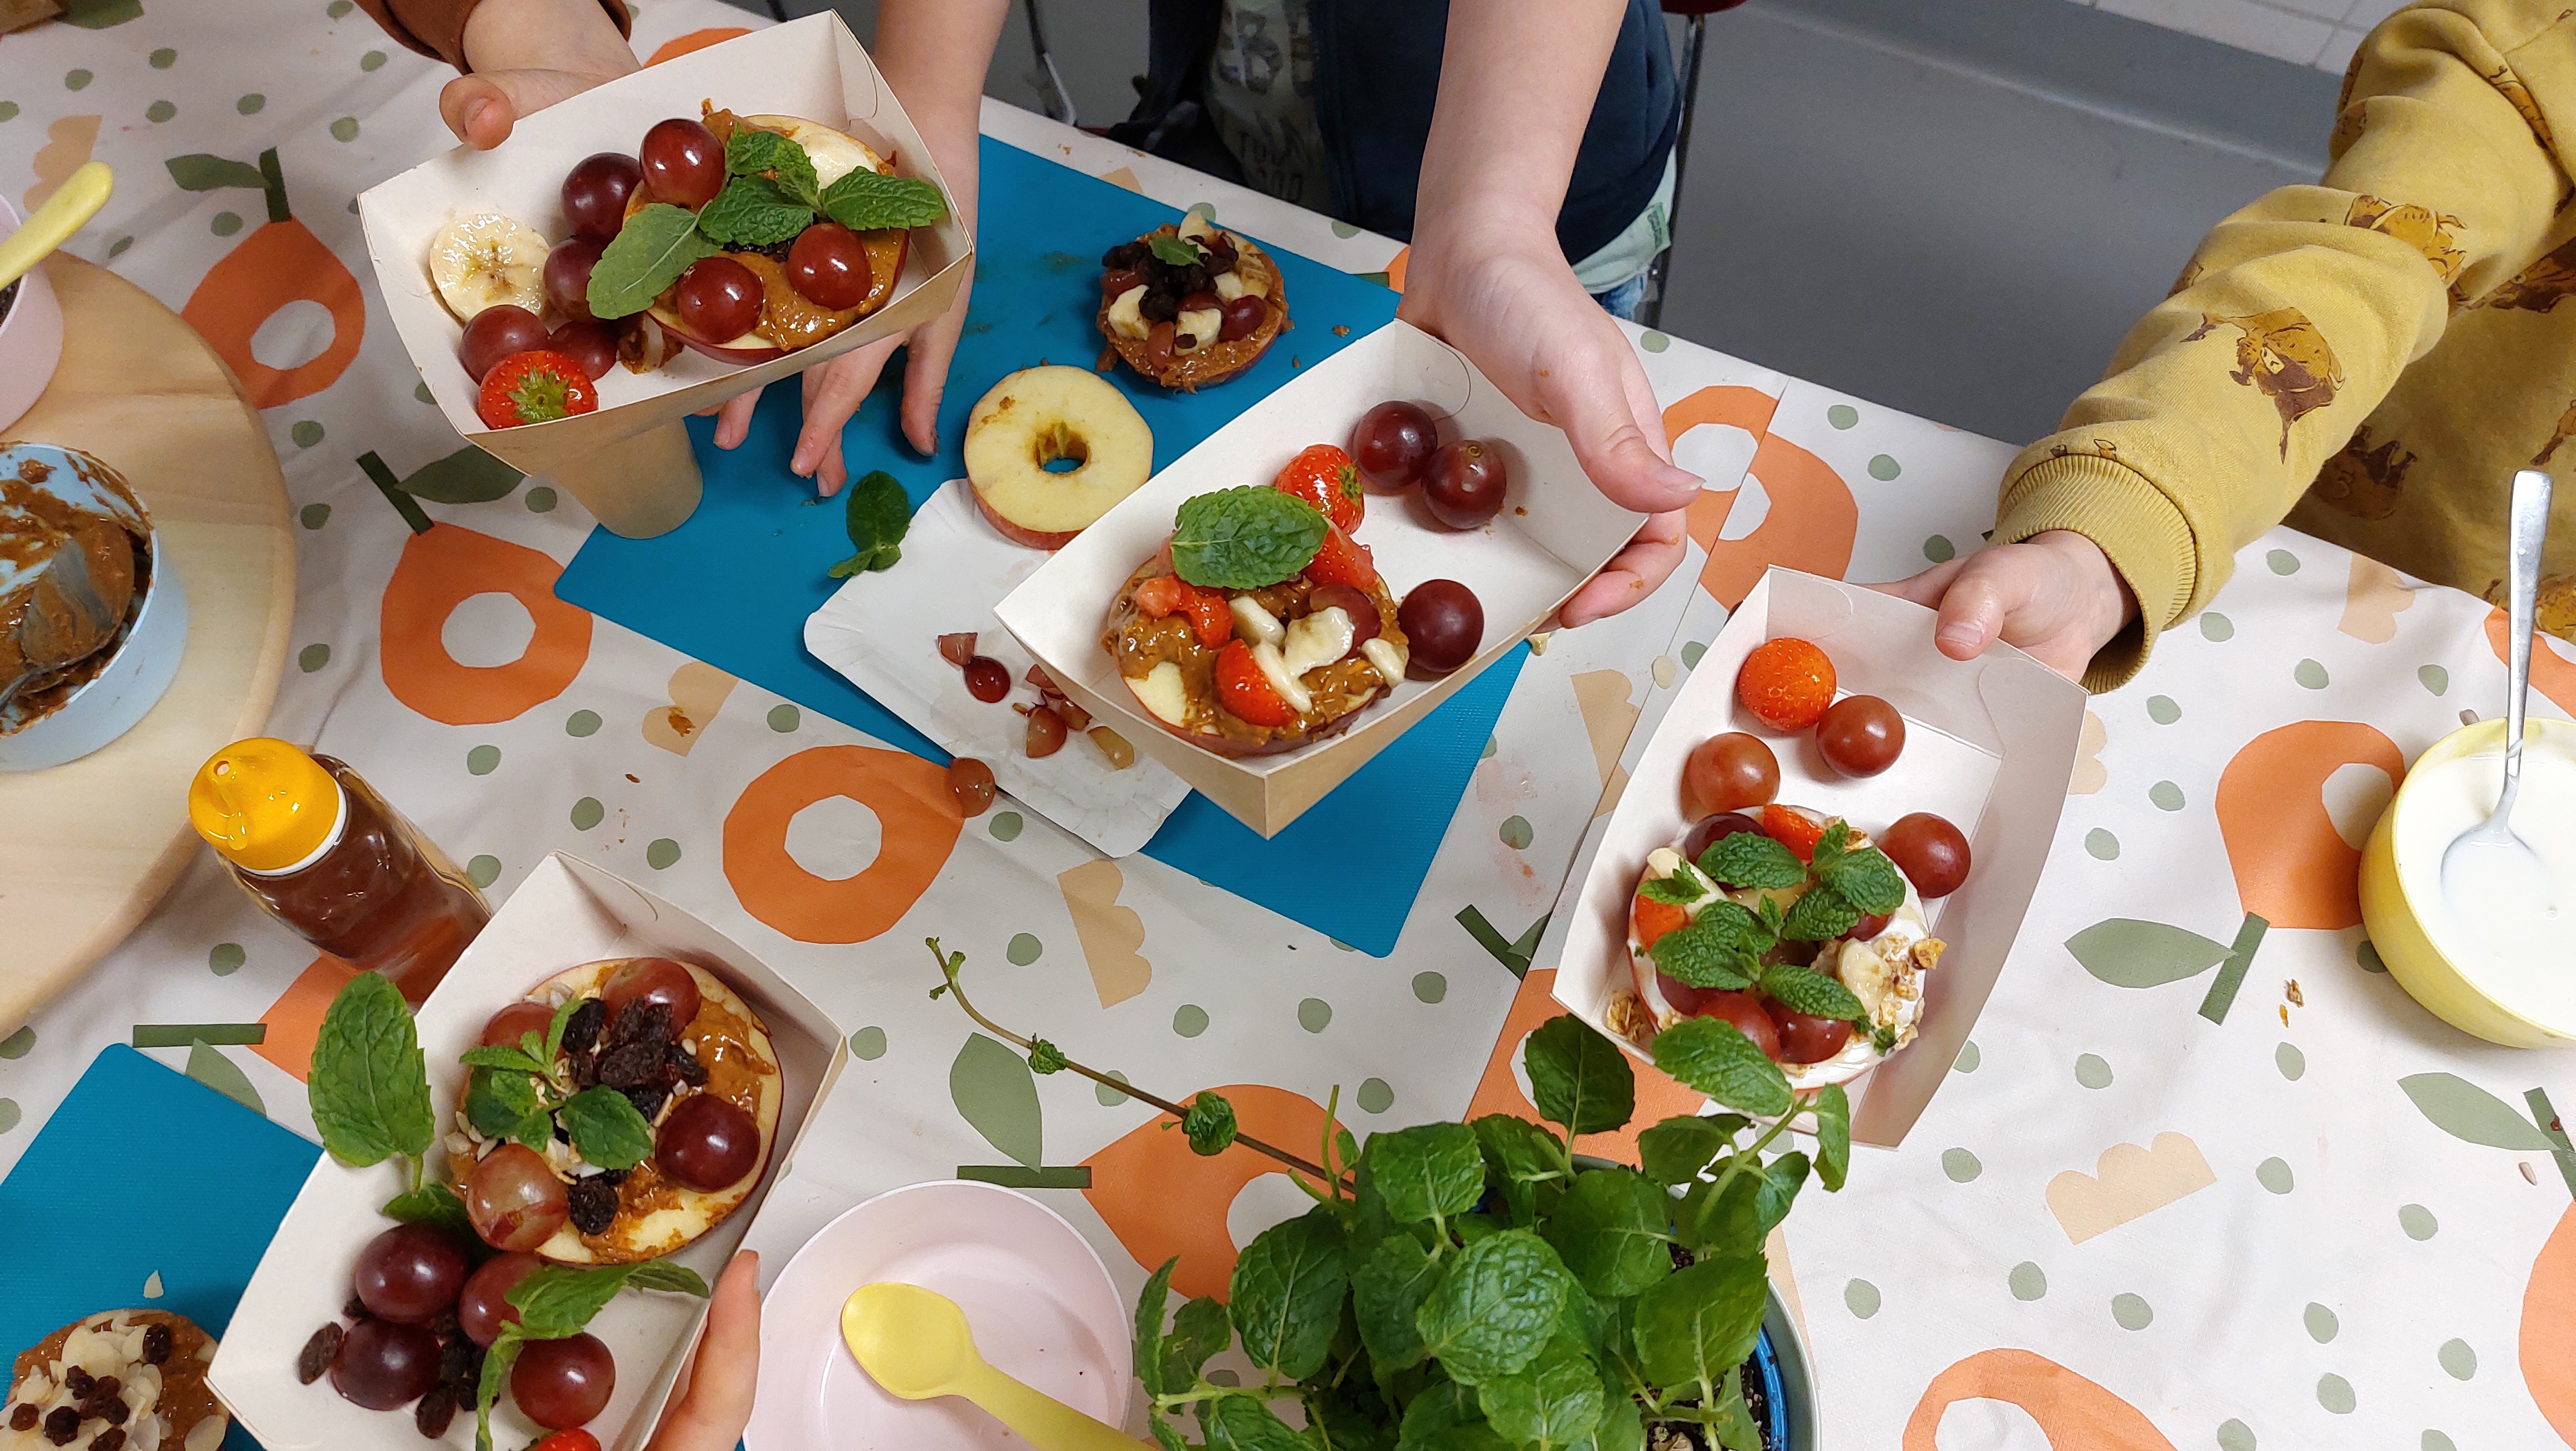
(1059, 450)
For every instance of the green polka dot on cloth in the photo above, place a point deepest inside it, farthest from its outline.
(2166, 795)
(1430, 987)
(587, 813)
(1314, 1015)
(226, 958)
(661, 852)
(1344, 230)
(483, 871)
(17, 1043)
(1190, 1020)
(1883, 468)
(339, 8)
(1024, 949)
(1939, 549)
(868, 1044)
(483, 760)
(1654, 342)
(1006, 826)
(1968, 1058)
(372, 60)
(1340, 946)
(2215, 626)
(785, 718)
(251, 104)
(1960, 1165)
(312, 658)
(2102, 845)
(1692, 652)
(164, 58)
(2458, 1358)
(8, 110)
(421, 392)
(2027, 1281)
(1516, 833)
(116, 248)
(2282, 561)
(2417, 1221)
(8, 1114)
(2132, 1312)
(540, 500)
(2366, 956)
(1842, 415)
(2436, 1441)
(74, 80)
(2434, 678)
(582, 723)
(345, 129)
(2093, 1071)
(2310, 674)
(1861, 1298)
(225, 224)
(1106, 1096)
(2321, 1322)
(2235, 1435)
(1491, 745)
(1375, 1096)
(2274, 1174)
(2292, 1063)
(2335, 1394)
(314, 516)
(2163, 710)
(160, 111)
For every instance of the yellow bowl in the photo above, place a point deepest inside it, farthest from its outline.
(2396, 928)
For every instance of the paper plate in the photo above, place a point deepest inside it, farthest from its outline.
(1041, 1305)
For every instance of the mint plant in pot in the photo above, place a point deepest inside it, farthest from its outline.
(1479, 1286)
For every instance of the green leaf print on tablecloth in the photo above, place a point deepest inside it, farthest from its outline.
(2463, 1110)
(209, 1066)
(994, 1091)
(467, 476)
(2125, 952)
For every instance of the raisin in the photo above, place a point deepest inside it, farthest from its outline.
(455, 1357)
(1160, 307)
(319, 1352)
(648, 1099)
(105, 1386)
(356, 1309)
(585, 1069)
(111, 1439)
(156, 1345)
(686, 1065)
(581, 1030)
(61, 1425)
(23, 1417)
(78, 1382)
(562, 1135)
(648, 1022)
(467, 1382)
(594, 1205)
(112, 1410)
(630, 1065)
(613, 1177)
(447, 1326)
(435, 1410)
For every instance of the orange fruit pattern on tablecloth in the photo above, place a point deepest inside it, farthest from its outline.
(294, 1021)
(695, 40)
(1162, 1198)
(2071, 1411)
(1812, 519)
(280, 263)
(2548, 1335)
(2292, 867)
(442, 567)
(917, 821)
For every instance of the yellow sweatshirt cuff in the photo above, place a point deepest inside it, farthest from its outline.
(2136, 525)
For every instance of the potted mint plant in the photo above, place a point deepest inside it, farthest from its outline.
(1479, 1286)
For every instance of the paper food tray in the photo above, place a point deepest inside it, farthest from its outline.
(811, 68)
(1554, 532)
(882, 631)
(566, 913)
(1988, 744)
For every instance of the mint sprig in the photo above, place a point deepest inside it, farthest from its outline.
(368, 1085)
(648, 254)
(1721, 949)
(1750, 859)
(753, 211)
(753, 152)
(1680, 889)
(1244, 537)
(877, 517)
(870, 201)
(1865, 878)
(1174, 250)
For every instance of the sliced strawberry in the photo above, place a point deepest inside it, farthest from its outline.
(1793, 829)
(1161, 595)
(1247, 693)
(1650, 920)
(1342, 561)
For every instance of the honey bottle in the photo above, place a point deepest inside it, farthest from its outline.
(320, 851)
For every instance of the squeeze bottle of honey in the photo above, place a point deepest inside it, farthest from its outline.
(321, 852)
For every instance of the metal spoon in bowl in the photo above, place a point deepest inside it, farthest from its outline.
(2489, 873)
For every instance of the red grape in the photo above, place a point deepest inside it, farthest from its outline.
(383, 1364)
(1805, 1039)
(1243, 318)
(1729, 771)
(1684, 998)
(1744, 1010)
(514, 1199)
(516, 1021)
(409, 1273)
(560, 1384)
(1117, 282)
(1202, 301)
(1445, 622)
(484, 1307)
(1860, 735)
(683, 162)
(987, 679)
(709, 1142)
(1046, 733)
(1931, 852)
(1353, 601)
(1870, 925)
(1392, 444)
(652, 980)
(828, 267)
(591, 344)
(957, 649)
(568, 277)
(1713, 829)
(972, 783)
(1464, 483)
(1160, 345)
(496, 333)
(718, 298)
(595, 193)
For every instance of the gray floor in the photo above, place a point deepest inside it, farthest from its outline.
(1954, 208)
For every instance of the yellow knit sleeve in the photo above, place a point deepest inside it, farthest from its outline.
(2297, 314)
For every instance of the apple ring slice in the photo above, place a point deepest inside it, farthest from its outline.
(1038, 417)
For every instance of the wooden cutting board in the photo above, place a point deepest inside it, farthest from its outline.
(87, 848)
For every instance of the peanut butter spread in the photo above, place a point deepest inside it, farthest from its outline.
(74, 559)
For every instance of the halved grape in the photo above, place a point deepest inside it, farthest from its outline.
(652, 980)
(514, 1200)
(706, 1143)
(515, 1021)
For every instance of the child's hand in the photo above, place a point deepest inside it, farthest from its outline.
(2054, 595)
(716, 1403)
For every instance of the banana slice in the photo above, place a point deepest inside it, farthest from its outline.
(487, 260)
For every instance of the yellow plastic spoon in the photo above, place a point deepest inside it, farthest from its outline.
(72, 204)
(916, 1344)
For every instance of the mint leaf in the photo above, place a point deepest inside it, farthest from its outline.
(753, 211)
(1199, 1331)
(1243, 1423)
(1883, 1038)
(368, 1084)
(1833, 1135)
(517, 1060)
(1553, 1402)
(1819, 916)
(1732, 1425)
(1677, 1150)
(555, 1302)
(752, 152)
(1150, 1303)
(555, 1028)
(1614, 1231)
(1495, 1309)
(1722, 948)
(1520, 1157)
(1713, 1056)
(871, 201)
(1174, 250)
(1805, 990)
(1701, 1322)
(497, 1360)
(666, 1276)
(435, 1204)
(1680, 889)
(1831, 843)
(877, 516)
(1578, 1078)
(1770, 915)
(606, 1129)
(1286, 1294)
(1432, 1171)
(648, 254)
(1865, 878)
(1209, 1124)
(1387, 1291)
(1045, 1057)
(1244, 538)
(503, 1103)
(1750, 859)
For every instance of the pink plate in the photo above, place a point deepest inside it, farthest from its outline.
(1041, 1305)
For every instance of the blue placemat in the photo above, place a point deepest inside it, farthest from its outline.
(141, 1171)
(733, 585)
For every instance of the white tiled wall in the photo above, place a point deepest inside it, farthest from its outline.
(2320, 33)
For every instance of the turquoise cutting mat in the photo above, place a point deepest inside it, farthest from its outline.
(733, 585)
(80, 1233)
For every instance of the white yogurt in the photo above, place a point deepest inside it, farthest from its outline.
(2526, 963)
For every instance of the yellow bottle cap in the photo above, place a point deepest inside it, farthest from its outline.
(263, 804)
